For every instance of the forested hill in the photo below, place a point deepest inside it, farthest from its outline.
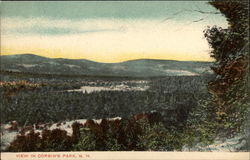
(138, 68)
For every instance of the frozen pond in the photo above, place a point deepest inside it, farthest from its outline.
(122, 87)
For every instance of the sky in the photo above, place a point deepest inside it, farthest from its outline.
(108, 31)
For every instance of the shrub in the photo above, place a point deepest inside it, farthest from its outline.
(158, 138)
(26, 143)
(87, 141)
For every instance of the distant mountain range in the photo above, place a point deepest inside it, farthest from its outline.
(138, 68)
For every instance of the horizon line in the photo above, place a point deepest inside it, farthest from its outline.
(2, 54)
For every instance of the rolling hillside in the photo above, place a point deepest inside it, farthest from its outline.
(138, 68)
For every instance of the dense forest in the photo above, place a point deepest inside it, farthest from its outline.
(52, 103)
(31, 101)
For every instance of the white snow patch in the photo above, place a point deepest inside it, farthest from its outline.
(6, 138)
(53, 63)
(203, 69)
(180, 72)
(72, 65)
(13, 70)
(28, 65)
(229, 145)
(122, 87)
(67, 125)
(119, 67)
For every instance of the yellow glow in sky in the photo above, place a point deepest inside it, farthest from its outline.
(108, 40)
(108, 59)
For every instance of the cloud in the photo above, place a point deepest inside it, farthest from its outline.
(48, 26)
(44, 25)
(107, 40)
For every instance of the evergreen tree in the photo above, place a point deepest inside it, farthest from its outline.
(230, 51)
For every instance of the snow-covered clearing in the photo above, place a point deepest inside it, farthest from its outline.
(181, 72)
(9, 136)
(122, 87)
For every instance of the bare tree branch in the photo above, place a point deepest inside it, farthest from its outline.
(199, 20)
(200, 11)
(172, 16)
(205, 12)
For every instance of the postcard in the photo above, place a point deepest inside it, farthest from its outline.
(124, 80)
